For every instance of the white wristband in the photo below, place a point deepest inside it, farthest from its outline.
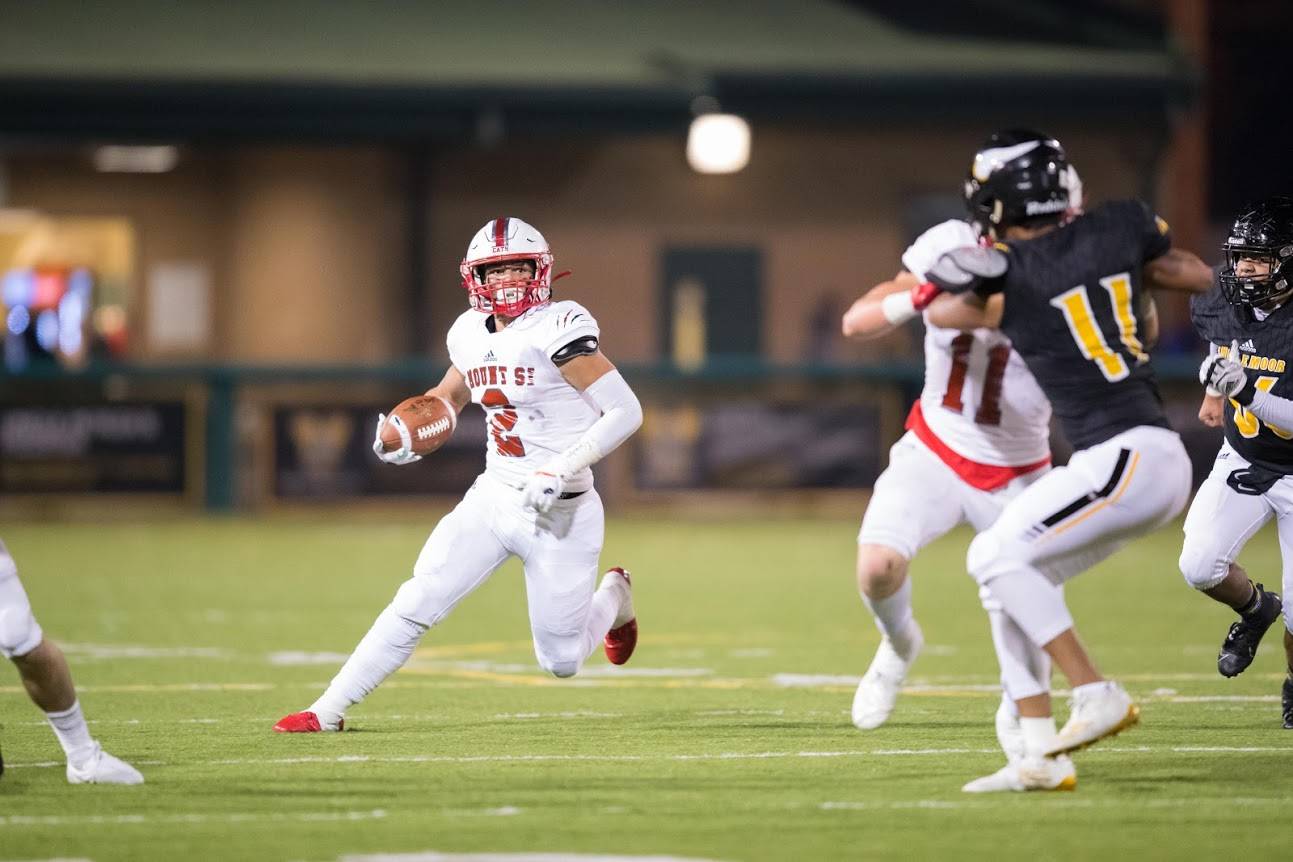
(897, 308)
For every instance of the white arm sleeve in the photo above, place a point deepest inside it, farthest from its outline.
(1272, 409)
(621, 416)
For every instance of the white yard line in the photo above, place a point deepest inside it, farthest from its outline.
(1066, 801)
(116, 652)
(433, 856)
(678, 758)
(192, 817)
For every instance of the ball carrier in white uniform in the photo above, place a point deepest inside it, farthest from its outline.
(977, 436)
(555, 406)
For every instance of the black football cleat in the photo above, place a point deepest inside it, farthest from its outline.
(1241, 642)
(1287, 698)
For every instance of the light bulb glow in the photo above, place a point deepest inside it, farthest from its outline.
(718, 144)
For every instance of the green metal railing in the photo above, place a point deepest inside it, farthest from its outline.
(224, 383)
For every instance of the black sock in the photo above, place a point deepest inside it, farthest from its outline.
(1252, 604)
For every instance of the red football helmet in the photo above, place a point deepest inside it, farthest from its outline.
(499, 241)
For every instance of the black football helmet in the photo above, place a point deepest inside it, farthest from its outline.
(1020, 177)
(1263, 232)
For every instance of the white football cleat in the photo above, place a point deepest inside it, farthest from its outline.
(103, 768)
(1030, 773)
(1100, 710)
(878, 691)
(1009, 732)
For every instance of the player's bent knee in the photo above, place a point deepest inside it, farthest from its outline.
(1201, 568)
(984, 558)
(418, 599)
(19, 632)
(562, 667)
(880, 570)
(562, 656)
(990, 603)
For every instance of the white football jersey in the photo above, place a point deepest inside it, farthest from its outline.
(979, 396)
(532, 413)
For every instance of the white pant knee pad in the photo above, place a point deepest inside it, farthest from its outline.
(983, 558)
(418, 599)
(19, 631)
(989, 601)
(559, 655)
(1202, 568)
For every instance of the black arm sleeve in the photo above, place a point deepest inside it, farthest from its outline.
(583, 346)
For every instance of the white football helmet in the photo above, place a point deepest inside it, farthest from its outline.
(501, 240)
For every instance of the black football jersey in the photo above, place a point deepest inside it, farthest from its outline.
(1265, 349)
(1073, 300)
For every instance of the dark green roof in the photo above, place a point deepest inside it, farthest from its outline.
(541, 55)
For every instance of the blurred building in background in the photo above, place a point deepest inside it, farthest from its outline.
(245, 220)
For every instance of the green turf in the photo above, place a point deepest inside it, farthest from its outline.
(472, 748)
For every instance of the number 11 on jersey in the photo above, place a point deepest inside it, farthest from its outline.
(1075, 305)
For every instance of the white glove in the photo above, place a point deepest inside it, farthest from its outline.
(1225, 376)
(542, 490)
(402, 455)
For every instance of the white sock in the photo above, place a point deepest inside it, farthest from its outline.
(1039, 733)
(894, 618)
(624, 595)
(601, 616)
(385, 648)
(73, 734)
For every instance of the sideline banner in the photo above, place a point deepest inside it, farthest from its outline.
(109, 447)
(759, 445)
(325, 453)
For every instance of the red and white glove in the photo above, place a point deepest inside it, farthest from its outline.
(402, 455)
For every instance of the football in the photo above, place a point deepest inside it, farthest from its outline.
(431, 421)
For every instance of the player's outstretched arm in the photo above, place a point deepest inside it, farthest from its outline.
(452, 388)
(1178, 270)
(875, 313)
(966, 311)
(604, 387)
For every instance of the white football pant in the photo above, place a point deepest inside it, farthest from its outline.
(19, 631)
(1222, 520)
(917, 499)
(560, 550)
(1069, 520)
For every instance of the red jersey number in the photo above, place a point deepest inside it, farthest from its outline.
(502, 419)
(989, 412)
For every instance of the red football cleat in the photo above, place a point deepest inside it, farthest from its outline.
(621, 640)
(302, 722)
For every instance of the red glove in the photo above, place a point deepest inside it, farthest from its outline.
(923, 294)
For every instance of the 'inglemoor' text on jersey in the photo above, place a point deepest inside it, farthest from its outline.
(1265, 349)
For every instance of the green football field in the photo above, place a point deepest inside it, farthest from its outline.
(727, 737)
